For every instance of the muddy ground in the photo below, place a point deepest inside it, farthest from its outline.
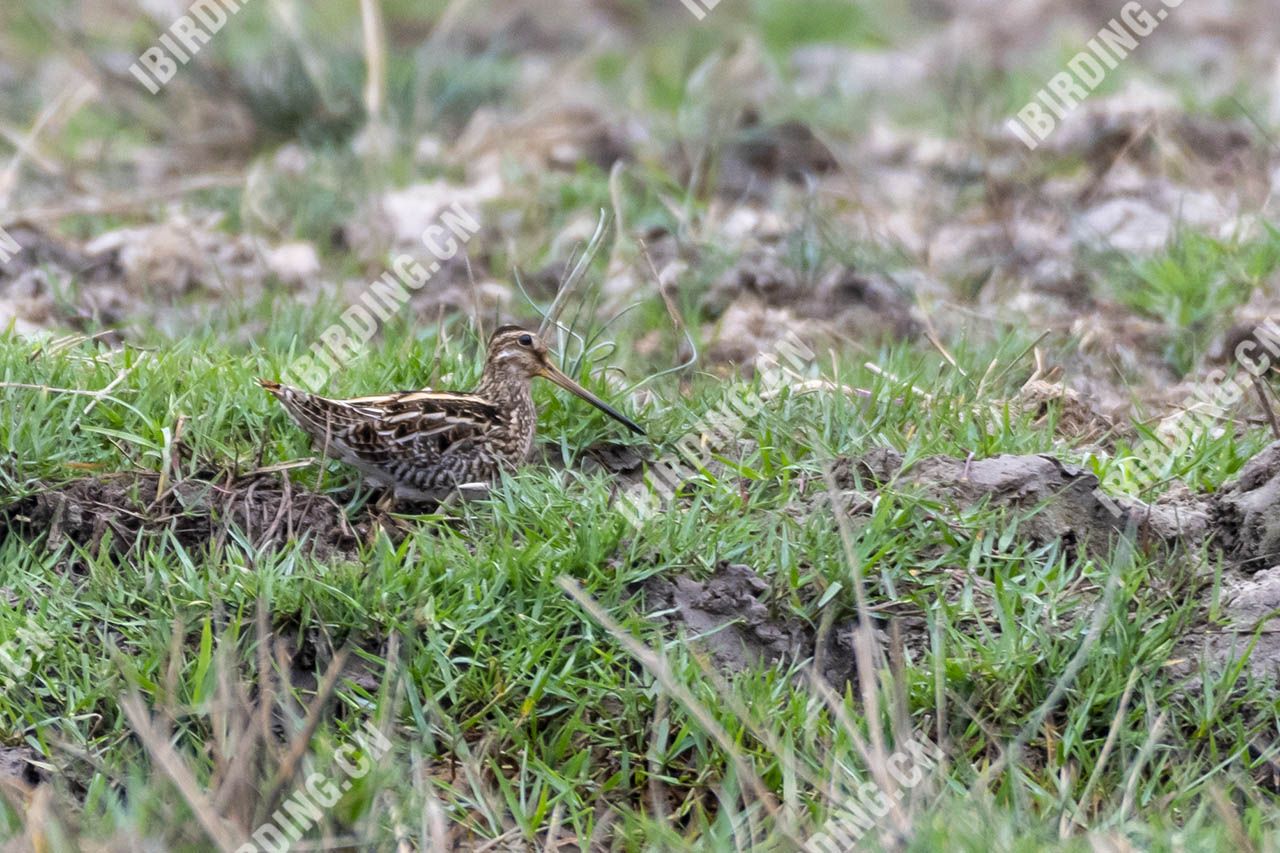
(933, 226)
(133, 511)
(743, 625)
(740, 622)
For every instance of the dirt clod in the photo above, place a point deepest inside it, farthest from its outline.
(764, 152)
(18, 765)
(1247, 609)
(731, 617)
(268, 510)
(1247, 513)
(1050, 500)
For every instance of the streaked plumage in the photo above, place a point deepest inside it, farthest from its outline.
(423, 444)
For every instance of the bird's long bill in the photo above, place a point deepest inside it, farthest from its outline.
(557, 376)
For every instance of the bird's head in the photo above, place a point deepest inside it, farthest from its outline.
(518, 355)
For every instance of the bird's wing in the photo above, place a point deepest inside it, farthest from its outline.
(413, 425)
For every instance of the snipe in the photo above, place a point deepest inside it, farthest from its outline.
(424, 444)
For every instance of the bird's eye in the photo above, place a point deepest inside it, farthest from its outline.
(526, 340)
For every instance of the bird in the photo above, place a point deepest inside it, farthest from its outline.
(423, 445)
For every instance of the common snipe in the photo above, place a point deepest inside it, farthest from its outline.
(424, 444)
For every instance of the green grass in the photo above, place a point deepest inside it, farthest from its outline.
(787, 24)
(541, 712)
(513, 710)
(1194, 285)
